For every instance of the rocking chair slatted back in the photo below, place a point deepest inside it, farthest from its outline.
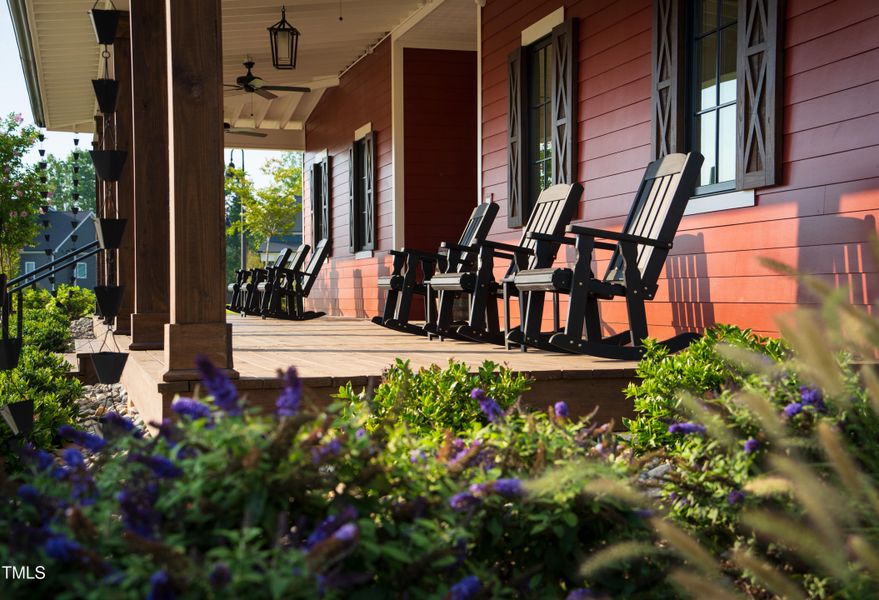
(656, 214)
(552, 212)
(478, 226)
(314, 265)
(283, 258)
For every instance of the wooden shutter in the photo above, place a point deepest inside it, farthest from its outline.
(368, 241)
(667, 104)
(564, 102)
(353, 173)
(517, 188)
(325, 200)
(759, 93)
(314, 189)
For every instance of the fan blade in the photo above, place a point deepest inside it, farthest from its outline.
(235, 92)
(234, 131)
(265, 94)
(232, 85)
(286, 88)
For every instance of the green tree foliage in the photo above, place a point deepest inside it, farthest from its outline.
(60, 175)
(19, 191)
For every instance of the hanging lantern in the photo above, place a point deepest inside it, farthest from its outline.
(284, 39)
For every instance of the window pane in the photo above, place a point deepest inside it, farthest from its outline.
(705, 139)
(726, 144)
(707, 48)
(707, 15)
(728, 64)
(729, 11)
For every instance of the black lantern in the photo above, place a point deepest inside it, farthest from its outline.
(284, 39)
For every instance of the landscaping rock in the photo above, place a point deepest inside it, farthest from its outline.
(83, 329)
(99, 399)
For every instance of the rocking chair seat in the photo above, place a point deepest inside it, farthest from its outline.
(454, 282)
(391, 282)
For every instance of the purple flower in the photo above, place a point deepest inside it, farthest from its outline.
(87, 440)
(751, 445)
(347, 533)
(416, 456)
(218, 386)
(29, 493)
(812, 397)
(189, 407)
(219, 576)
(490, 408)
(735, 497)
(321, 453)
(580, 594)
(463, 501)
(136, 504)
(161, 466)
(508, 488)
(113, 420)
(686, 428)
(288, 402)
(160, 587)
(73, 458)
(792, 409)
(360, 433)
(466, 588)
(561, 409)
(61, 548)
(330, 525)
(39, 458)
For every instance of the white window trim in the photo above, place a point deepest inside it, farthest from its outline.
(723, 201)
(322, 155)
(362, 132)
(32, 264)
(543, 27)
(85, 268)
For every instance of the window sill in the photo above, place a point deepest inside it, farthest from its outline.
(363, 254)
(722, 201)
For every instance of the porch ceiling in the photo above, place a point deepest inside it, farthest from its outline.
(60, 57)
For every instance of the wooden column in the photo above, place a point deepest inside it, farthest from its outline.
(197, 219)
(125, 185)
(149, 159)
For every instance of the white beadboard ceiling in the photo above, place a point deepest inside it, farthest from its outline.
(67, 58)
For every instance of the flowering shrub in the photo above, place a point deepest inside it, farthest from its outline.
(41, 377)
(19, 191)
(227, 503)
(434, 399)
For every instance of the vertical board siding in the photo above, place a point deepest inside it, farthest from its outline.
(347, 286)
(820, 217)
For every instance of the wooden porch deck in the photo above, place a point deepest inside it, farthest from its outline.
(329, 352)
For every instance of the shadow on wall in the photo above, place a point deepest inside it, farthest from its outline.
(381, 295)
(359, 310)
(325, 293)
(689, 290)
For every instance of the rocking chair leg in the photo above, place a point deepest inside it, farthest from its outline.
(555, 313)
(506, 315)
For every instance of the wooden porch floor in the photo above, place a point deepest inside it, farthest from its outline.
(329, 352)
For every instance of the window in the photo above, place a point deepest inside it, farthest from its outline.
(712, 100)
(29, 266)
(717, 88)
(539, 139)
(542, 118)
(82, 270)
(320, 201)
(362, 207)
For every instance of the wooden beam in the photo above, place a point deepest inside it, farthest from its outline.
(197, 215)
(125, 185)
(149, 155)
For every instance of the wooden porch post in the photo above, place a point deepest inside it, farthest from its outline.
(197, 219)
(125, 185)
(149, 158)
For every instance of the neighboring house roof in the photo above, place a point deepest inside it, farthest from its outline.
(60, 230)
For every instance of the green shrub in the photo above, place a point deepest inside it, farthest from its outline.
(47, 329)
(36, 298)
(73, 301)
(229, 505)
(42, 377)
(434, 399)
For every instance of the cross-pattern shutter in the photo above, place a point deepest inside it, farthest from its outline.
(368, 241)
(325, 200)
(352, 203)
(759, 94)
(564, 102)
(314, 190)
(667, 100)
(517, 188)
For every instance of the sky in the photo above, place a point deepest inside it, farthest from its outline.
(14, 99)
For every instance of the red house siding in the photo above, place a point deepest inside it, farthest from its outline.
(819, 220)
(348, 286)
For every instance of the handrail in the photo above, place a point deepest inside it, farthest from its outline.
(72, 258)
(49, 265)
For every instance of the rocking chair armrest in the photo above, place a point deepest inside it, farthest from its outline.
(422, 255)
(505, 247)
(619, 236)
(543, 237)
(457, 247)
(397, 252)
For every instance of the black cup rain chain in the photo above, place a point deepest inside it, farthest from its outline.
(108, 161)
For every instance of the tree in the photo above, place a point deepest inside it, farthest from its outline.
(19, 192)
(270, 211)
(60, 175)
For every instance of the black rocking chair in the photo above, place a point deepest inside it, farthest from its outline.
(553, 210)
(404, 282)
(247, 301)
(273, 279)
(639, 254)
(294, 286)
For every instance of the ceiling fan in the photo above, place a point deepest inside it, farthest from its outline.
(252, 84)
(227, 128)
